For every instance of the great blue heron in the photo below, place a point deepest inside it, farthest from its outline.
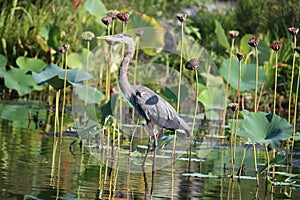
(150, 105)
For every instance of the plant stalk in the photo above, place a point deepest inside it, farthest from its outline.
(256, 80)
(275, 83)
(292, 80)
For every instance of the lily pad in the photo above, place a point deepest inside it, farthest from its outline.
(17, 79)
(54, 75)
(31, 64)
(248, 75)
(265, 128)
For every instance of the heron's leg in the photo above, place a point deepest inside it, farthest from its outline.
(148, 149)
(155, 134)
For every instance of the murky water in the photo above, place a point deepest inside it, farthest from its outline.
(34, 165)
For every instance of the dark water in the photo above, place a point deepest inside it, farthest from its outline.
(34, 165)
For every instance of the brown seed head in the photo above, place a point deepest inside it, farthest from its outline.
(87, 35)
(253, 42)
(181, 17)
(192, 64)
(112, 15)
(106, 20)
(139, 32)
(124, 17)
(293, 31)
(240, 56)
(275, 46)
(63, 49)
(233, 106)
(233, 33)
(297, 49)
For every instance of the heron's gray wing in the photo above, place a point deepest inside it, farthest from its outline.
(157, 110)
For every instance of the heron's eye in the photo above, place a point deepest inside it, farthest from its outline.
(140, 94)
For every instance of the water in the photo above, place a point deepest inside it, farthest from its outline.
(34, 165)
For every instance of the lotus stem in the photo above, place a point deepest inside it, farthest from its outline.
(255, 165)
(242, 162)
(56, 118)
(194, 122)
(229, 66)
(292, 80)
(268, 160)
(196, 104)
(231, 147)
(64, 94)
(86, 81)
(295, 108)
(180, 69)
(275, 82)
(227, 83)
(238, 110)
(256, 80)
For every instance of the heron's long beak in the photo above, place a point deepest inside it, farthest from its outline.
(103, 37)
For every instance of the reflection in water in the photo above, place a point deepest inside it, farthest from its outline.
(38, 166)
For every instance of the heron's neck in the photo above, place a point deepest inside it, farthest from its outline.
(124, 84)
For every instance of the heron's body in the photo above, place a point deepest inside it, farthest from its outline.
(155, 109)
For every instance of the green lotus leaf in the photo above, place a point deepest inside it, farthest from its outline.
(212, 96)
(89, 95)
(152, 40)
(164, 140)
(221, 35)
(96, 8)
(3, 62)
(77, 60)
(265, 128)
(279, 158)
(248, 75)
(31, 64)
(54, 75)
(50, 33)
(17, 79)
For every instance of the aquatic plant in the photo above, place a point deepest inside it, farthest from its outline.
(276, 47)
(253, 42)
(293, 31)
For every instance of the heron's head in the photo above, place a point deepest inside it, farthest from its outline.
(122, 37)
